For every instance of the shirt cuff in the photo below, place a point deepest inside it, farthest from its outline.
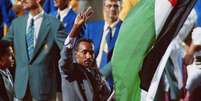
(69, 42)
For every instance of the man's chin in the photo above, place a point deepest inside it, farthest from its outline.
(87, 65)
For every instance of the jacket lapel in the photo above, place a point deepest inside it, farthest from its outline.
(43, 32)
(114, 38)
(99, 36)
(23, 35)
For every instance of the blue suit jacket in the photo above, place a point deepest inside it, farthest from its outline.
(68, 19)
(94, 31)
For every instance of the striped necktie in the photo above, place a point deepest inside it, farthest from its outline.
(30, 38)
(109, 37)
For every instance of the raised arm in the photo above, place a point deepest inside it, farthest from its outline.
(79, 21)
(66, 60)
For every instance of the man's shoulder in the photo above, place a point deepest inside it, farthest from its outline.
(19, 19)
(72, 13)
(70, 16)
(98, 25)
(96, 22)
(51, 18)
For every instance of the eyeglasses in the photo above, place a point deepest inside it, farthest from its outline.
(110, 5)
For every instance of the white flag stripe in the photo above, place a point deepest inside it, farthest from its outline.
(158, 74)
(162, 10)
(177, 42)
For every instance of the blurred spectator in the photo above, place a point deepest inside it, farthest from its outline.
(64, 13)
(6, 79)
(193, 60)
(18, 8)
(37, 39)
(127, 5)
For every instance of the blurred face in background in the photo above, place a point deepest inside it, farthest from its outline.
(111, 9)
(7, 59)
(18, 8)
(30, 4)
(61, 4)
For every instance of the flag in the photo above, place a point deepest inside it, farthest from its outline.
(170, 29)
(135, 37)
(175, 52)
(127, 5)
(162, 10)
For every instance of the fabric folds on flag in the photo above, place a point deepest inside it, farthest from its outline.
(170, 29)
(135, 37)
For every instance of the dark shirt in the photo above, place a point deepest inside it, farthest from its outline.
(5, 94)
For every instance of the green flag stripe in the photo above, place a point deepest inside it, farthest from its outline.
(135, 37)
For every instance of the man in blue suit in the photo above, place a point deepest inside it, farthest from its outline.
(37, 39)
(64, 13)
(104, 33)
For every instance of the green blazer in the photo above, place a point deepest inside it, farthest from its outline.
(38, 73)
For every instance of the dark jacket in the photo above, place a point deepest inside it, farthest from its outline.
(86, 84)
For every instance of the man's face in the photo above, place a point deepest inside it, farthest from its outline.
(30, 4)
(61, 4)
(111, 10)
(7, 60)
(85, 54)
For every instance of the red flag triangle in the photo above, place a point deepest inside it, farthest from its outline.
(173, 2)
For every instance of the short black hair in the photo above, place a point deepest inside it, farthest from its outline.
(82, 40)
(4, 46)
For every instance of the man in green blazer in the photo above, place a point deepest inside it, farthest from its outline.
(37, 39)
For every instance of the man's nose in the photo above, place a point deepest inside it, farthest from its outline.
(112, 8)
(88, 55)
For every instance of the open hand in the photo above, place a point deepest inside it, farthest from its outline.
(83, 16)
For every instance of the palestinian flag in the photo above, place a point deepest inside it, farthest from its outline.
(170, 29)
(135, 41)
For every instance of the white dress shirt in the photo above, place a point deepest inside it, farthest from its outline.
(63, 13)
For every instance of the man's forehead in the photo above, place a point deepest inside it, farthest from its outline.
(85, 46)
(113, 1)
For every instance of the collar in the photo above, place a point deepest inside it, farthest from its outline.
(106, 26)
(37, 16)
(63, 12)
(4, 72)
